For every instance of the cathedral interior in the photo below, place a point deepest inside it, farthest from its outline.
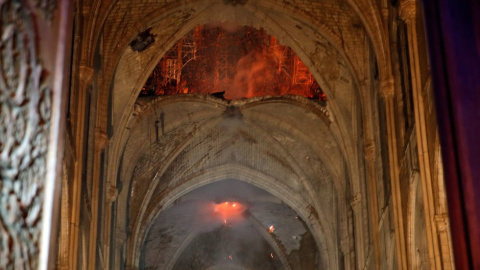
(222, 134)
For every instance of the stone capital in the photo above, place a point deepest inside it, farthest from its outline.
(101, 139)
(112, 193)
(121, 236)
(385, 13)
(370, 150)
(387, 88)
(345, 246)
(85, 74)
(407, 10)
(442, 223)
(356, 203)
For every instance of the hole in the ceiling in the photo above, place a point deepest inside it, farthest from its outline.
(229, 62)
(143, 40)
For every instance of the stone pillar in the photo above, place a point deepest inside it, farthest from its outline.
(370, 169)
(111, 195)
(387, 91)
(371, 181)
(357, 215)
(85, 77)
(443, 229)
(64, 231)
(120, 239)
(101, 140)
(408, 13)
(346, 250)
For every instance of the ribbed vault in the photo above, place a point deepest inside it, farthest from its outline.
(165, 148)
(335, 173)
(204, 140)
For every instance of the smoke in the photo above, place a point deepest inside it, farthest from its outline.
(227, 26)
(193, 216)
(241, 61)
(242, 245)
(253, 74)
(204, 209)
(219, 215)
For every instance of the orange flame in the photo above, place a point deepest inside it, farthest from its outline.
(244, 63)
(229, 210)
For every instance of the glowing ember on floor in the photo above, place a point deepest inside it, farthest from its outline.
(243, 63)
(271, 229)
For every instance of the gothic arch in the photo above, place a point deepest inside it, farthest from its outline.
(249, 105)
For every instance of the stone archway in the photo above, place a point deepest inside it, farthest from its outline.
(248, 135)
(338, 127)
(351, 95)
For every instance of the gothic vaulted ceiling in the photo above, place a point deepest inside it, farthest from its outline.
(183, 161)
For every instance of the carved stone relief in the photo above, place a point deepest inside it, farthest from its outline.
(25, 103)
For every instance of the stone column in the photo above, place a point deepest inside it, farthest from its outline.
(101, 140)
(443, 229)
(387, 91)
(120, 239)
(64, 230)
(356, 204)
(346, 250)
(370, 169)
(408, 14)
(111, 195)
(85, 75)
(372, 180)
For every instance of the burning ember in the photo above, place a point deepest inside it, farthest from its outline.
(238, 64)
(271, 229)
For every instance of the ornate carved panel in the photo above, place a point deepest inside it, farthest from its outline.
(25, 107)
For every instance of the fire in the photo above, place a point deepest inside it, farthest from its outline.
(271, 229)
(229, 210)
(243, 63)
